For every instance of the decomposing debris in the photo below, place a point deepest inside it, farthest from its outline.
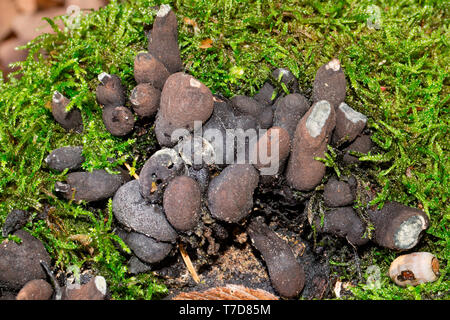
(414, 268)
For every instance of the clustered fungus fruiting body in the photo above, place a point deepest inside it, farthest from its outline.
(338, 193)
(118, 119)
(63, 158)
(289, 110)
(182, 203)
(310, 140)
(110, 92)
(349, 124)
(15, 220)
(145, 99)
(37, 289)
(25, 259)
(163, 39)
(158, 170)
(230, 194)
(146, 248)
(286, 274)
(414, 268)
(362, 144)
(287, 78)
(176, 199)
(344, 222)
(266, 94)
(90, 186)
(69, 120)
(330, 84)
(184, 100)
(276, 139)
(149, 70)
(95, 289)
(133, 212)
(397, 226)
(248, 106)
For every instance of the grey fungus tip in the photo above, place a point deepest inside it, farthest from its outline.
(334, 65)
(104, 77)
(164, 9)
(318, 117)
(57, 96)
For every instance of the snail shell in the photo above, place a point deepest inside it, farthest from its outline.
(414, 269)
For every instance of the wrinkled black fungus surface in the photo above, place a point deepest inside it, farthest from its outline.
(19, 263)
(338, 193)
(90, 186)
(286, 274)
(132, 211)
(68, 120)
(145, 248)
(14, 221)
(70, 158)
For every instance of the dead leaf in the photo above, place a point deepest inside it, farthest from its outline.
(230, 292)
(154, 187)
(48, 105)
(205, 44)
(190, 22)
(84, 239)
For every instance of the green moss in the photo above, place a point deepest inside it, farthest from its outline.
(408, 55)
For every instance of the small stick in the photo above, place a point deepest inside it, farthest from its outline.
(53, 281)
(188, 263)
(129, 169)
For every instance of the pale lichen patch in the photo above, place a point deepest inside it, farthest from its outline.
(318, 117)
